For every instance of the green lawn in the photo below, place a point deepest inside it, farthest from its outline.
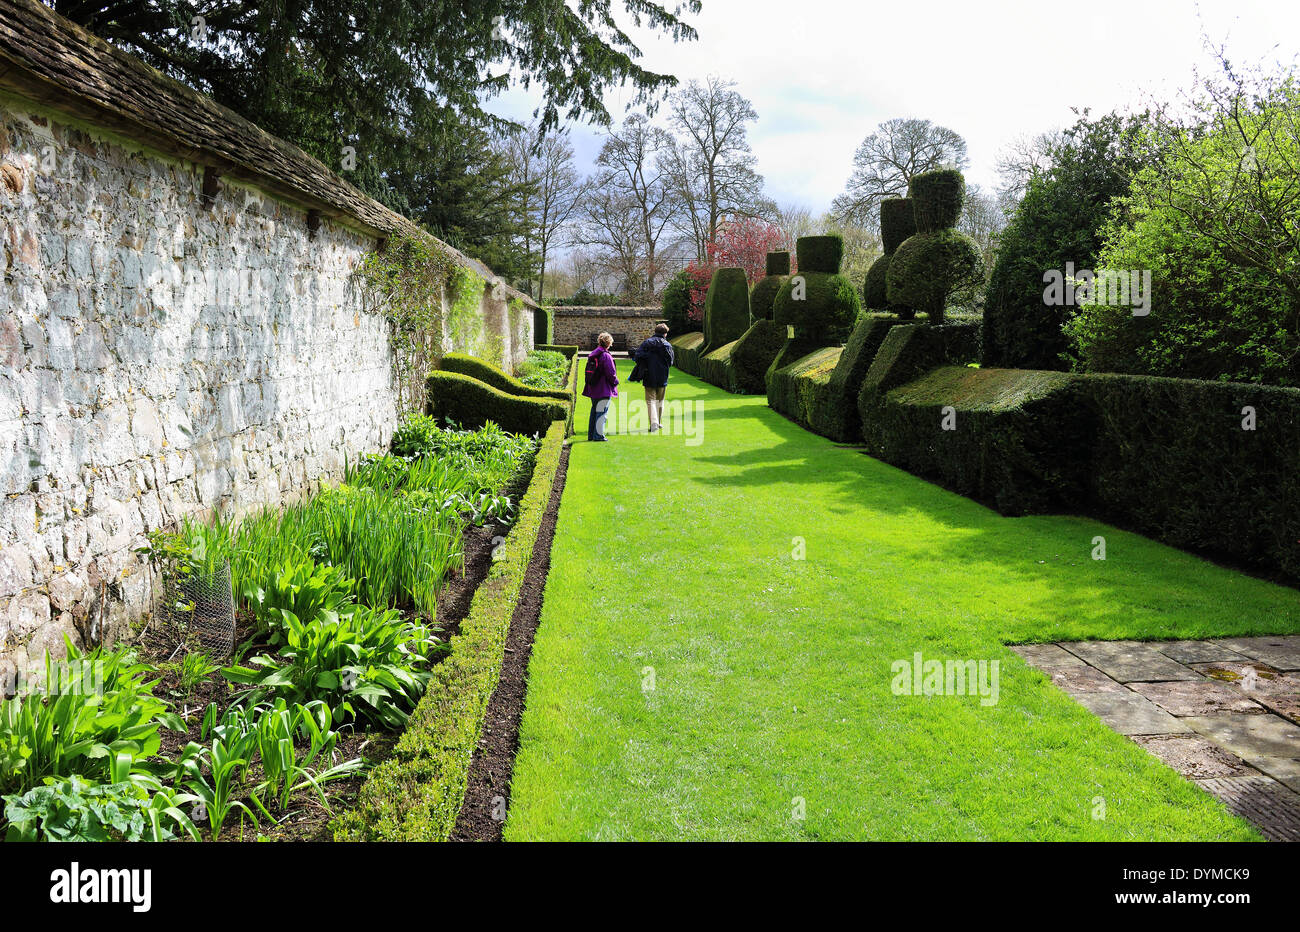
(772, 675)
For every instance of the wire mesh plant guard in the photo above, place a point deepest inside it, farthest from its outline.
(203, 603)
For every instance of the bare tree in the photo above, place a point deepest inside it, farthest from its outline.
(1021, 159)
(543, 168)
(982, 219)
(887, 160)
(710, 165)
(630, 203)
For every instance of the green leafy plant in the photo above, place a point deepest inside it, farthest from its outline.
(300, 586)
(544, 369)
(73, 808)
(284, 770)
(370, 664)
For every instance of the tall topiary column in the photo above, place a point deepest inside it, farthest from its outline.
(937, 260)
(897, 223)
(819, 302)
(726, 308)
(754, 351)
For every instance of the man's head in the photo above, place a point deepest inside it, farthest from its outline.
(605, 340)
(661, 330)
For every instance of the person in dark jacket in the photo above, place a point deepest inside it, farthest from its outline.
(655, 356)
(601, 385)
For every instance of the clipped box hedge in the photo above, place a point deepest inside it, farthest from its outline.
(496, 377)
(842, 422)
(753, 354)
(417, 794)
(716, 367)
(472, 403)
(686, 352)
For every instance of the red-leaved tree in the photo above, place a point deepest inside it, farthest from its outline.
(744, 243)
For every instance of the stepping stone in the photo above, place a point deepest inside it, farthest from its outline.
(1131, 714)
(1084, 679)
(1270, 805)
(1047, 657)
(1197, 651)
(1250, 737)
(1130, 661)
(1198, 697)
(1284, 770)
(1280, 651)
(1193, 756)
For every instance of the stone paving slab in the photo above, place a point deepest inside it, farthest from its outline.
(1047, 657)
(1250, 737)
(1197, 651)
(1130, 661)
(1193, 756)
(1286, 706)
(1282, 769)
(1282, 652)
(1131, 714)
(1270, 805)
(1084, 679)
(1197, 697)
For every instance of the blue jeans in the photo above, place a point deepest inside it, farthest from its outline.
(596, 423)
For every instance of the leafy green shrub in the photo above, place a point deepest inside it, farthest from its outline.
(929, 268)
(820, 253)
(300, 587)
(543, 325)
(73, 808)
(677, 304)
(764, 291)
(826, 311)
(753, 353)
(875, 296)
(497, 378)
(369, 664)
(726, 308)
(686, 352)
(473, 403)
(937, 199)
(1060, 220)
(98, 708)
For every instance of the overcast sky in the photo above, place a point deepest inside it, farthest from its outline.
(823, 73)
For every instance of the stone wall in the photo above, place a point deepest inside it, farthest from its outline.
(575, 325)
(169, 352)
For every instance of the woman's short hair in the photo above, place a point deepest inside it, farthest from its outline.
(661, 330)
(605, 340)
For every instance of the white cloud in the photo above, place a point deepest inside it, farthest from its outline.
(823, 73)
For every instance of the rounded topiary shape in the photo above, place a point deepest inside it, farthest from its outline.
(897, 222)
(821, 306)
(874, 294)
(761, 298)
(820, 253)
(929, 267)
(778, 263)
(726, 307)
(937, 198)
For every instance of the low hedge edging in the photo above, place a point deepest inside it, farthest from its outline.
(416, 795)
(471, 403)
(497, 378)
(686, 352)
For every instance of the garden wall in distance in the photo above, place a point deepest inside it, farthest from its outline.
(575, 325)
(170, 344)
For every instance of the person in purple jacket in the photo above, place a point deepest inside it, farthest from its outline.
(602, 379)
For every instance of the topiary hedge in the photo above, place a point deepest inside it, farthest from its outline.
(686, 352)
(716, 367)
(897, 223)
(929, 267)
(764, 291)
(937, 199)
(1170, 458)
(726, 307)
(472, 403)
(842, 421)
(821, 306)
(1019, 440)
(486, 372)
(820, 253)
(677, 304)
(753, 354)
(543, 326)
(417, 793)
(801, 389)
